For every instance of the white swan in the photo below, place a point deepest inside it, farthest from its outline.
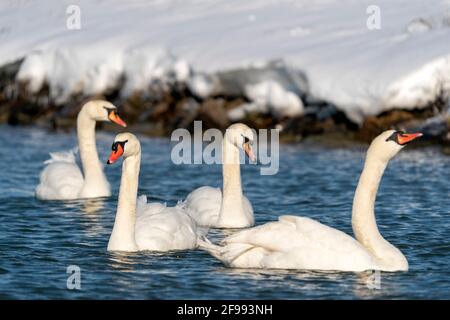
(144, 226)
(62, 179)
(207, 205)
(301, 243)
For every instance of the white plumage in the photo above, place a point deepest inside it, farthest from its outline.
(292, 243)
(227, 208)
(139, 225)
(301, 243)
(162, 228)
(204, 204)
(61, 179)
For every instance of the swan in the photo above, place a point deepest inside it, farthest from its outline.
(62, 179)
(208, 206)
(295, 242)
(140, 225)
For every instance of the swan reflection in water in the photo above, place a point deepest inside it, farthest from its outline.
(92, 206)
(122, 261)
(364, 285)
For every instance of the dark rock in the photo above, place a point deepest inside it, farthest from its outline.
(319, 119)
(213, 114)
(393, 119)
(233, 82)
(164, 107)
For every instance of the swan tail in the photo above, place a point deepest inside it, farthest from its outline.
(141, 201)
(145, 208)
(208, 246)
(202, 231)
(181, 204)
(63, 156)
(233, 254)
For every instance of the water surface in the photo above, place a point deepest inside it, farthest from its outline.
(40, 239)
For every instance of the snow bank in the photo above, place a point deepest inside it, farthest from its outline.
(405, 64)
(421, 87)
(269, 97)
(143, 66)
(69, 71)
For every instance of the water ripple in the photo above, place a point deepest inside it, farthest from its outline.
(39, 239)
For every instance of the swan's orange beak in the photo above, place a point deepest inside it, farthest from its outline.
(249, 151)
(405, 138)
(114, 117)
(115, 154)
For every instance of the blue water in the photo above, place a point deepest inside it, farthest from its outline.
(39, 240)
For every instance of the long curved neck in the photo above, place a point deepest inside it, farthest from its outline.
(122, 237)
(232, 197)
(94, 177)
(363, 217)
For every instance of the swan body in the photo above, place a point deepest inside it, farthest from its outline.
(161, 228)
(204, 204)
(292, 243)
(62, 179)
(226, 208)
(140, 225)
(301, 243)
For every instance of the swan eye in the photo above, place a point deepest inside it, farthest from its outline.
(109, 110)
(394, 136)
(116, 143)
(246, 139)
(402, 138)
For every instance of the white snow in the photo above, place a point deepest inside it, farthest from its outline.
(35, 69)
(270, 96)
(421, 87)
(202, 85)
(141, 66)
(404, 64)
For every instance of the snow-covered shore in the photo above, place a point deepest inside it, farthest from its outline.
(324, 48)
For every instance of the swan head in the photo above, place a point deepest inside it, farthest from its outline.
(101, 110)
(389, 143)
(241, 136)
(125, 145)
